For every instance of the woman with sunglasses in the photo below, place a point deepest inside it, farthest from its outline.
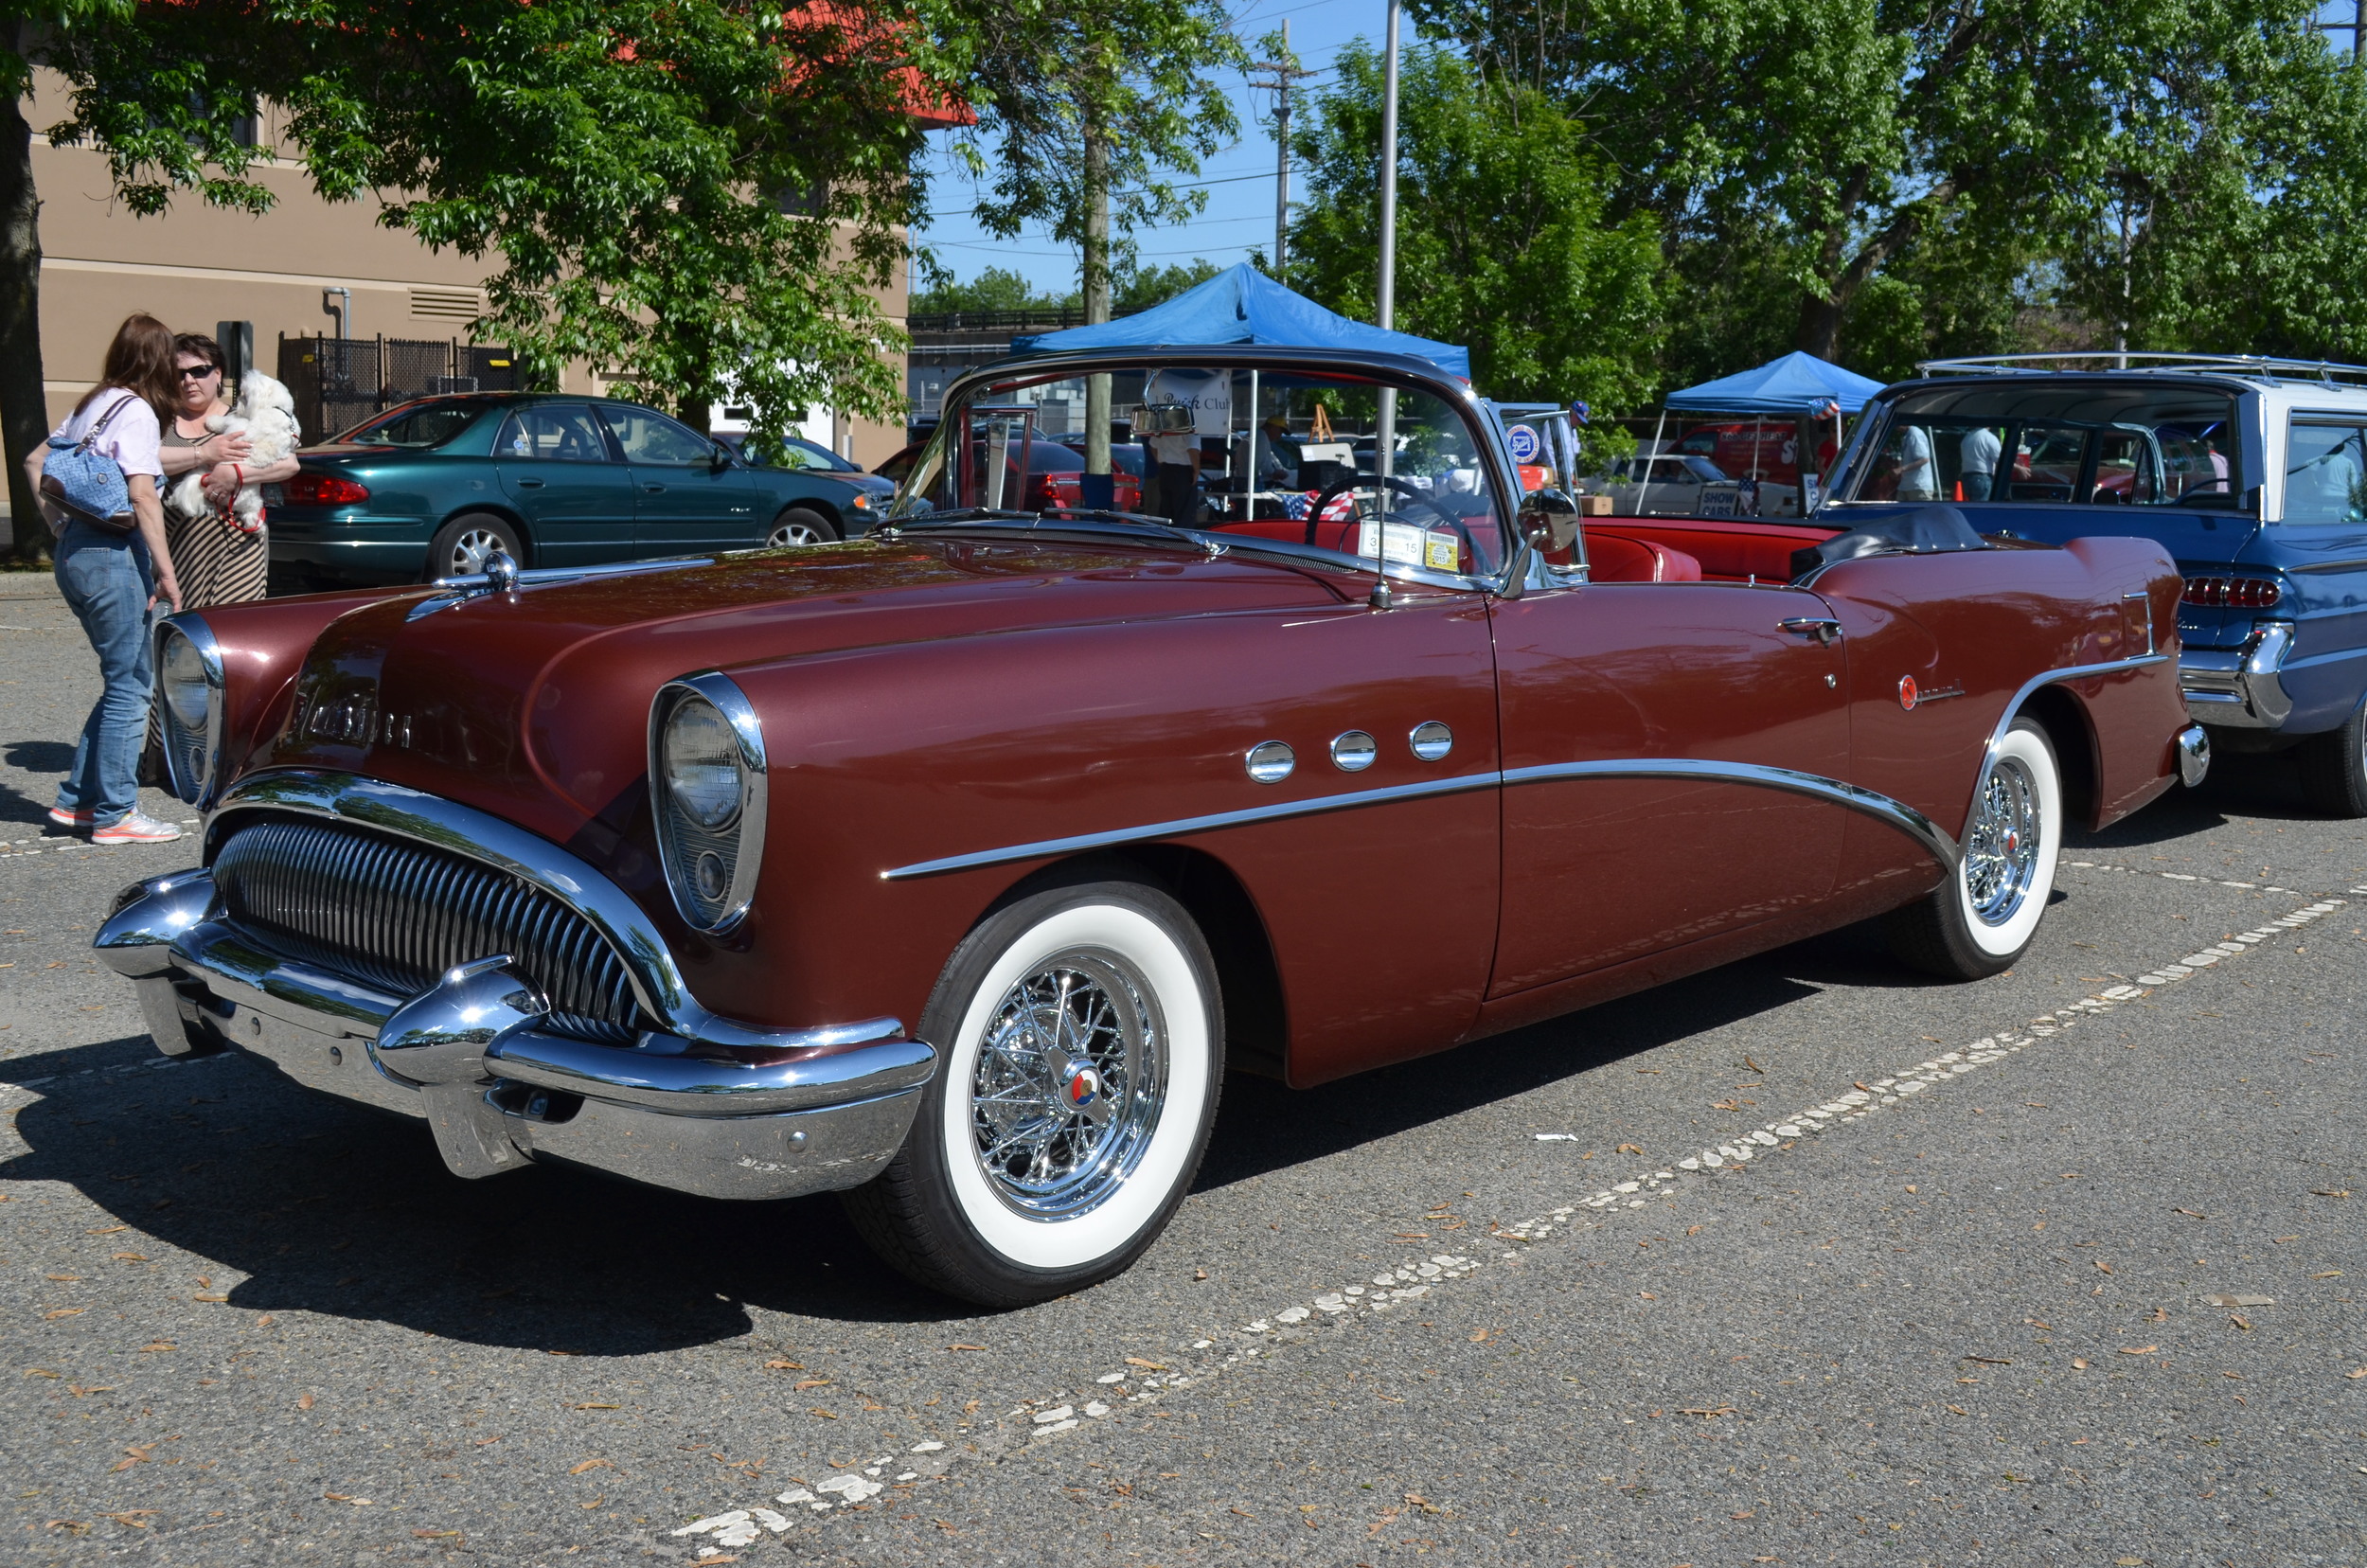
(220, 562)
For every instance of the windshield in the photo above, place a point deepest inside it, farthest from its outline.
(1286, 456)
(419, 424)
(2085, 443)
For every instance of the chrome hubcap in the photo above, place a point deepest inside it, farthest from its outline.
(1071, 1074)
(2002, 852)
(795, 533)
(469, 551)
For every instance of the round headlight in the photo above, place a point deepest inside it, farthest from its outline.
(703, 763)
(183, 678)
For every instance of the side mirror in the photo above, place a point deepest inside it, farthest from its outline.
(721, 458)
(1548, 519)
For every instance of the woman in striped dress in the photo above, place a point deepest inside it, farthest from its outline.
(220, 562)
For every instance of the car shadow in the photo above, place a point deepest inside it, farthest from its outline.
(331, 1207)
(2266, 788)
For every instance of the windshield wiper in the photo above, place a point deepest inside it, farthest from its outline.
(1091, 520)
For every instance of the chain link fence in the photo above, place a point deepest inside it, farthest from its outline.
(338, 383)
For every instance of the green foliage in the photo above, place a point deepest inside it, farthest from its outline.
(1134, 74)
(1140, 287)
(1884, 179)
(1503, 242)
(995, 289)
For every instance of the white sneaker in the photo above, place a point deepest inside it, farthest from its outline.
(135, 828)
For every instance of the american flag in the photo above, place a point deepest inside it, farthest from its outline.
(1295, 507)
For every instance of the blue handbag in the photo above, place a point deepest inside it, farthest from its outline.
(89, 484)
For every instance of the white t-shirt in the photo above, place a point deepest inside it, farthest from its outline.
(133, 438)
(1915, 480)
(1981, 450)
(1209, 395)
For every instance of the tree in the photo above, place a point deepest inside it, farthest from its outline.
(1503, 242)
(995, 289)
(1850, 135)
(1140, 287)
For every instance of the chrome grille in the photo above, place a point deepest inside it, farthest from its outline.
(394, 915)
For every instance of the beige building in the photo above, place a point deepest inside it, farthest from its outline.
(289, 271)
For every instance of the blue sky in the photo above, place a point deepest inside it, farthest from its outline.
(1240, 210)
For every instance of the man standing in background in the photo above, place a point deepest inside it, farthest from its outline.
(1980, 451)
(1179, 407)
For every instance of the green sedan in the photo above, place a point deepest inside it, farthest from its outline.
(430, 488)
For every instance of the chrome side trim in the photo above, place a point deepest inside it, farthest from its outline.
(1317, 806)
(1882, 808)
(722, 694)
(446, 825)
(2325, 566)
(2013, 709)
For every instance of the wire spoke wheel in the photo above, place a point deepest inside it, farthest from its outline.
(2002, 850)
(1068, 1085)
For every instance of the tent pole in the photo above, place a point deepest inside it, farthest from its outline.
(1644, 493)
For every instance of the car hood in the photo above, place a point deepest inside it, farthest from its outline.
(533, 705)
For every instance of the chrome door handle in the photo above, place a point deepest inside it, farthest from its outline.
(530, 484)
(1815, 628)
(654, 490)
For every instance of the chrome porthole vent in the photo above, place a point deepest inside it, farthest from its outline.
(1431, 740)
(1270, 761)
(1354, 752)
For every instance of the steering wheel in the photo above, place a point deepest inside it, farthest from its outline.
(1397, 486)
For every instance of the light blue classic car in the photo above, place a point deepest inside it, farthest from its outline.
(2253, 472)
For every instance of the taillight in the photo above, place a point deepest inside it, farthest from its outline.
(2232, 593)
(321, 490)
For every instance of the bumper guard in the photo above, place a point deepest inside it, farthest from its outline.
(2243, 688)
(810, 1115)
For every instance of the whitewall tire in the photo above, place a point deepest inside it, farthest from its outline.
(1983, 919)
(1081, 1045)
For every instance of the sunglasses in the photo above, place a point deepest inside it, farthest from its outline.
(199, 372)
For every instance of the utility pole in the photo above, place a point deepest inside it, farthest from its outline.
(1286, 71)
(1095, 288)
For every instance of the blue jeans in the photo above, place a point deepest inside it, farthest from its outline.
(107, 581)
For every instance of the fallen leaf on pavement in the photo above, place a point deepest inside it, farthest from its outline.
(2191, 1214)
(2240, 1323)
(964, 1347)
(304, 1400)
(437, 1535)
(784, 1366)
(66, 1311)
(2139, 1349)
(592, 1465)
(2241, 1300)
(2080, 1361)
(812, 1382)
(1146, 1366)
(357, 1502)
(1986, 1361)
(593, 1406)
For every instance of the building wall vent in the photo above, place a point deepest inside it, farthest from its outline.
(447, 304)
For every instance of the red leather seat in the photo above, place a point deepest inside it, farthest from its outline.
(1616, 557)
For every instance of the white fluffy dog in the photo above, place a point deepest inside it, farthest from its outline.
(265, 415)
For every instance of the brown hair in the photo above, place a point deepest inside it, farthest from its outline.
(200, 344)
(141, 362)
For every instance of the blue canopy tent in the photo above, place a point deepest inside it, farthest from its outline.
(1243, 305)
(1798, 384)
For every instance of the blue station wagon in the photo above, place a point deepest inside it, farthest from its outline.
(2253, 472)
(430, 488)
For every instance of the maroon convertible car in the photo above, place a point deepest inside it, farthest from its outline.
(954, 866)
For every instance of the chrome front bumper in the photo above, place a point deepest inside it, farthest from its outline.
(760, 1118)
(2243, 688)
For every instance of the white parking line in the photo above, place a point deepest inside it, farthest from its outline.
(1051, 1418)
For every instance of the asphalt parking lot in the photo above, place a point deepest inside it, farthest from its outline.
(1804, 1260)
